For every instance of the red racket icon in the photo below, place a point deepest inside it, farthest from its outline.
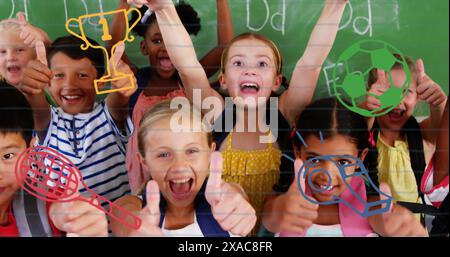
(52, 177)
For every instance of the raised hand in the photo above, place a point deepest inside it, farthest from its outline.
(150, 214)
(296, 213)
(428, 90)
(119, 67)
(79, 218)
(37, 75)
(228, 205)
(30, 34)
(399, 221)
(378, 88)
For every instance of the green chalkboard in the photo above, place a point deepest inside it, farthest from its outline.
(416, 27)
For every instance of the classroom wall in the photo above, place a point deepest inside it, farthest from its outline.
(416, 27)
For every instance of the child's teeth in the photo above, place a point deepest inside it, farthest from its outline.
(323, 187)
(70, 97)
(180, 181)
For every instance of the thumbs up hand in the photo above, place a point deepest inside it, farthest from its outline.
(79, 218)
(378, 88)
(399, 221)
(150, 214)
(296, 213)
(37, 75)
(228, 204)
(29, 33)
(119, 67)
(428, 90)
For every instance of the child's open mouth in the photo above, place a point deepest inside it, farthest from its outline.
(165, 64)
(324, 189)
(72, 99)
(14, 69)
(249, 88)
(181, 188)
(396, 114)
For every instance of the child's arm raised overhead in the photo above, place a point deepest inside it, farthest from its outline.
(117, 102)
(211, 61)
(118, 30)
(307, 70)
(181, 50)
(36, 77)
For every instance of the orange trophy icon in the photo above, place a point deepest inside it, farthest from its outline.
(111, 73)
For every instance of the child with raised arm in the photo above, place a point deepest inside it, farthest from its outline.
(333, 161)
(405, 145)
(93, 135)
(181, 200)
(160, 80)
(22, 214)
(250, 71)
(17, 41)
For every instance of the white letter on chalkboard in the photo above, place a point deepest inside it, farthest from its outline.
(248, 16)
(282, 14)
(94, 21)
(67, 14)
(329, 81)
(350, 16)
(367, 19)
(25, 8)
(13, 8)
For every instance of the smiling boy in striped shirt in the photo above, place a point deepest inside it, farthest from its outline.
(93, 135)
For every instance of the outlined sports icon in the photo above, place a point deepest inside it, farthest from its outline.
(48, 175)
(361, 206)
(111, 73)
(352, 70)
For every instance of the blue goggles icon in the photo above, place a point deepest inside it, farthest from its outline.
(311, 168)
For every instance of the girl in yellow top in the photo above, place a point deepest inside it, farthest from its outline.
(404, 145)
(250, 72)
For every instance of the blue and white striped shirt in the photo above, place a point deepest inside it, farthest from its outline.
(94, 143)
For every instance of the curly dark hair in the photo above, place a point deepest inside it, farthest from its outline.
(188, 16)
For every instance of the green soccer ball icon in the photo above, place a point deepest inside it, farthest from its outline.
(352, 70)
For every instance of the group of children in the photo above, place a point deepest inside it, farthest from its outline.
(214, 181)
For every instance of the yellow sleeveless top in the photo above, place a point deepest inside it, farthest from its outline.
(394, 168)
(255, 170)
